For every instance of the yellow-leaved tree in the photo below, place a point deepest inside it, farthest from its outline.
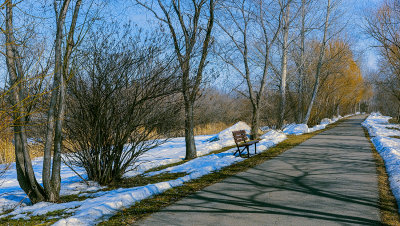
(342, 89)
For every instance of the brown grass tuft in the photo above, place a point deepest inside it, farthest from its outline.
(6, 151)
(210, 128)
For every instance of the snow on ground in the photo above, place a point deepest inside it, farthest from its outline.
(11, 194)
(298, 129)
(174, 150)
(102, 204)
(105, 206)
(383, 135)
(170, 152)
(214, 162)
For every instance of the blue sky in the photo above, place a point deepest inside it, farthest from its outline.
(354, 10)
(357, 10)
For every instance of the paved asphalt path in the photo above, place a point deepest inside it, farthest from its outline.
(328, 180)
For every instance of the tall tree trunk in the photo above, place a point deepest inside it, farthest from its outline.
(338, 110)
(25, 173)
(56, 167)
(398, 114)
(282, 105)
(255, 122)
(302, 62)
(319, 66)
(26, 177)
(51, 182)
(189, 131)
(254, 99)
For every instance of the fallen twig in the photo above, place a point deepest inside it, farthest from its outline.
(65, 162)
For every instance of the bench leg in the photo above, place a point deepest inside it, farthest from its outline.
(248, 151)
(242, 151)
(255, 148)
(238, 150)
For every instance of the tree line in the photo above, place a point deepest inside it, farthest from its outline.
(383, 27)
(98, 92)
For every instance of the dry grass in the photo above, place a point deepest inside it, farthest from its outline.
(210, 128)
(48, 219)
(387, 202)
(7, 153)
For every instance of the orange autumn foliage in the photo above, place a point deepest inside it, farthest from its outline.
(343, 88)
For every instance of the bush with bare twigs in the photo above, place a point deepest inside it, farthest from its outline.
(117, 101)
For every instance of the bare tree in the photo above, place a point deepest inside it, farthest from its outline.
(249, 55)
(302, 61)
(384, 28)
(26, 176)
(320, 62)
(185, 23)
(285, 6)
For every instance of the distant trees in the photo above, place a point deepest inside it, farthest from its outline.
(384, 28)
(342, 85)
(122, 91)
(278, 49)
(105, 94)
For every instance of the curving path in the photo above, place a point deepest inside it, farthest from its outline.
(328, 180)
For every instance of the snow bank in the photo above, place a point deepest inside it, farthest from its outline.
(296, 129)
(317, 127)
(100, 208)
(225, 136)
(215, 162)
(326, 121)
(171, 151)
(103, 207)
(103, 204)
(382, 136)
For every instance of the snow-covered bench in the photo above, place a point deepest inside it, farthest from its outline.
(241, 140)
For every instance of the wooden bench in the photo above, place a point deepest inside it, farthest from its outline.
(242, 140)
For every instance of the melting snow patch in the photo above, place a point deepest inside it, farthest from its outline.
(103, 204)
(387, 146)
(326, 121)
(296, 129)
(226, 135)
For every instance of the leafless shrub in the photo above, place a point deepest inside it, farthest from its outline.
(118, 101)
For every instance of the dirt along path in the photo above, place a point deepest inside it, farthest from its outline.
(328, 180)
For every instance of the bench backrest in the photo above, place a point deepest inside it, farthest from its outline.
(239, 136)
